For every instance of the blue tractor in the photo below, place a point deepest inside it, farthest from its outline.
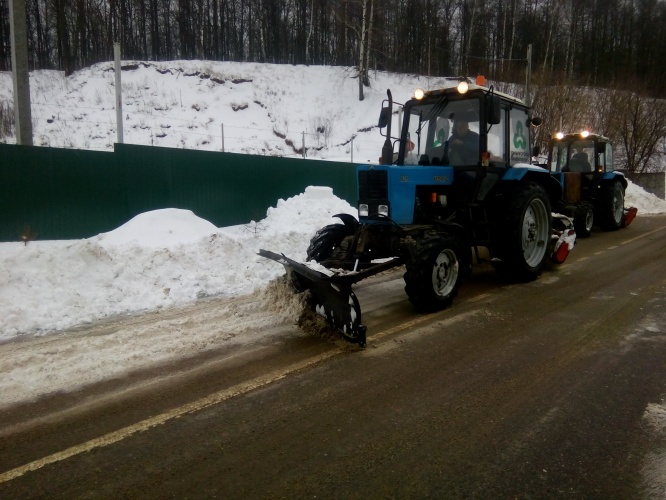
(457, 179)
(593, 190)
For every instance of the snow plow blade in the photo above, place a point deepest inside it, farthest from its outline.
(331, 296)
(629, 215)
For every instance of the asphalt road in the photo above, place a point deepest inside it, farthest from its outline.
(552, 389)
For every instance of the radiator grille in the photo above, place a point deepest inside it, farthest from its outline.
(372, 185)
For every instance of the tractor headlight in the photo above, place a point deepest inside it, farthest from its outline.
(559, 136)
(463, 87)
(418, 94)
(382, 210)
(584, 134)
(363, 210)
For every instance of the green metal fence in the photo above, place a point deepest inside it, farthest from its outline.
(68, 194)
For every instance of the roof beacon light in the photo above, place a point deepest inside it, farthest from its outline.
(559, 136)
(584, 134)
(481, 80)
(463, 87)
(418, 94)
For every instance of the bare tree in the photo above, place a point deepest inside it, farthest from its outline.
(562, 108)
(640, 125)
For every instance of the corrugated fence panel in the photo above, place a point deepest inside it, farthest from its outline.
(64, 193)
(58, 193)
(223, 188)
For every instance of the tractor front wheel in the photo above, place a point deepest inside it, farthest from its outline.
(329, 238)
(433, 273)
(584, 220)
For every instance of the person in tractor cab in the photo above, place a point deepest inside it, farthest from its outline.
(579, 161)
(463, 146)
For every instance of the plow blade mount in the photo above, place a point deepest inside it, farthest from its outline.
(331, 296)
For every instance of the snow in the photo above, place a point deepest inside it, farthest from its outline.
(158, 259)
(263, 108)
(168, 259)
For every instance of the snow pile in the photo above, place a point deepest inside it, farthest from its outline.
(160, 228)
(158, 259)
(645, 202)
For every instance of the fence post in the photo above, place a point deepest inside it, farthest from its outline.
(303, 143)
(222, 125)
(119, 93)
(352, 150)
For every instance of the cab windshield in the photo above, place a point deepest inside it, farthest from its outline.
(443, 132)
(575, 156)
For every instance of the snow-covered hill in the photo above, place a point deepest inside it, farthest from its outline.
(266, 109)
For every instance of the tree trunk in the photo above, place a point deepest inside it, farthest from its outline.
(361, 54)
(366, 64)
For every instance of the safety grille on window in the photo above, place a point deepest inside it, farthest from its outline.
(373, 185)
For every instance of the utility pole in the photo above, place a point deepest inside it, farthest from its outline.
(119, 94)
(528, 74)
(20, 72)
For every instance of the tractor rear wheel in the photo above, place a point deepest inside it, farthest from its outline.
(584, 220)
(524, 234)
(433, 273)
(328, 239)
(611, 206)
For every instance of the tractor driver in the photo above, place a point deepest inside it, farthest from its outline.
(463, 147)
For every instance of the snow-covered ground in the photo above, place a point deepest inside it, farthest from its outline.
(156, 260)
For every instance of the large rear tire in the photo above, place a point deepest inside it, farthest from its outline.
(433, 273)
(611, 206)
(524, 234)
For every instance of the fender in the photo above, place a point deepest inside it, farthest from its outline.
(615, 176)
(522, 172)
(348, 220)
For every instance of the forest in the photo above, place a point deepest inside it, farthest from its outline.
(597, 64)
(601, 43)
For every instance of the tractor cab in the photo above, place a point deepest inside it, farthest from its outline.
(581, 153)
(465, 126)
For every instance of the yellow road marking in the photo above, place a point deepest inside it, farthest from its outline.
(210, 400)
(643, 235)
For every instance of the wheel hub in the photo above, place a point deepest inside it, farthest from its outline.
(445, 272)
(535, 228)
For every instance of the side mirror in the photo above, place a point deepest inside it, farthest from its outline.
(536, 121)
(384, 117)
(494, 116)
(536, 151)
